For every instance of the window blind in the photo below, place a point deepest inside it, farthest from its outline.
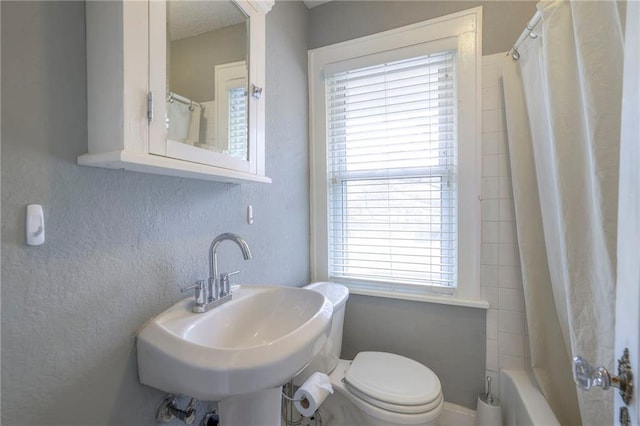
(392, 172)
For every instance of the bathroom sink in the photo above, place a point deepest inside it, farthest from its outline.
(258, 340)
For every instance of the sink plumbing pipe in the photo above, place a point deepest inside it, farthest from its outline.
(168, 410)
(211, 419)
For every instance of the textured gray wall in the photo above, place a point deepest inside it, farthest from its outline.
(337, 21)
(448, 339)
(119, 244)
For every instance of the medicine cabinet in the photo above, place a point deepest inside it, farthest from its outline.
(176, 88)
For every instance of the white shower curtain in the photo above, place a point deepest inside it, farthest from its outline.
(563, 101)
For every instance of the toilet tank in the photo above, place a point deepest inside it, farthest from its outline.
(329, 355)
(337, 294)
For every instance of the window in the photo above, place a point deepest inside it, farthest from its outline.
(238, 109)
(394, 160)
(391, 142)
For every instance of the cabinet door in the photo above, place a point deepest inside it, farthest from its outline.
(198, 119)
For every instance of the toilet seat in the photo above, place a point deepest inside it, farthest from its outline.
(402, 409)
(394, 383)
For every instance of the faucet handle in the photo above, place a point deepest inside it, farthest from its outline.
(225, 287)
(199, 285)
(201, 291)
(226, 275)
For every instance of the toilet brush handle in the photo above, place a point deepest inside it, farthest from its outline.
(489, 396)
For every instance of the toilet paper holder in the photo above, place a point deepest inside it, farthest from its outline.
(308, 397)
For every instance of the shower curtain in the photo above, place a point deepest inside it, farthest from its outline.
(563, 101)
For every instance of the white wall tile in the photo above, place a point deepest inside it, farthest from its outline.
(508, 254)
(489, 275)
(503, 147)
(491, 120)
(490, 188)
(527, 348)
(510, 277)
(492, 324)
(502, 114)
(511, 362)
(491, 143)
(511, 322)
(489, 254)
(511, 299)
(507, 231)
(507, 210)
(491, 98)
(500, 276)
(490, 210)
(491, 166)
(492, 355)
(504, 168)
(490, 75)
(504, 181)
(490, 232)
(490, 294)
(510, 344)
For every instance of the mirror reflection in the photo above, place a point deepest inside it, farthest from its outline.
(207, 76)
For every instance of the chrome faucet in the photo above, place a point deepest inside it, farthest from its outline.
(216, 291)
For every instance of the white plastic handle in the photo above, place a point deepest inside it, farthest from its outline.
(35, 225)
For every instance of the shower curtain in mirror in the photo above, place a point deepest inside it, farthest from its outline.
(563, 101)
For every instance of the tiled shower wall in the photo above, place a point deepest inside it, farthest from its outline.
(500, 277)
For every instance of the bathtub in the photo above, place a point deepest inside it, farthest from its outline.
(522, 402)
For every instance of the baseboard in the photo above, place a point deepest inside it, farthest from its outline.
(456, 415)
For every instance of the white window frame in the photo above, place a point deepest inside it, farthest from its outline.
(464, 29)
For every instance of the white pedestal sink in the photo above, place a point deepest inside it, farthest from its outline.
(240, 353)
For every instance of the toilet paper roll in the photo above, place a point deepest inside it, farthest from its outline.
(312, 394)
(488, 414)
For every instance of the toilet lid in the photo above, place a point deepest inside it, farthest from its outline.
(393, 379)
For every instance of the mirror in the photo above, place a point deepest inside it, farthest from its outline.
(207, 76)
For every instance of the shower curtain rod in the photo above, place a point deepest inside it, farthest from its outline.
(527, 32)
(175, 97)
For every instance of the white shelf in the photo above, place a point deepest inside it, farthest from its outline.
(136, 162)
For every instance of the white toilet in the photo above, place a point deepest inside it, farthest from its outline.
(376, 388)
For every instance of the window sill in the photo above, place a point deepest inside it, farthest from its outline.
(427, 298)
